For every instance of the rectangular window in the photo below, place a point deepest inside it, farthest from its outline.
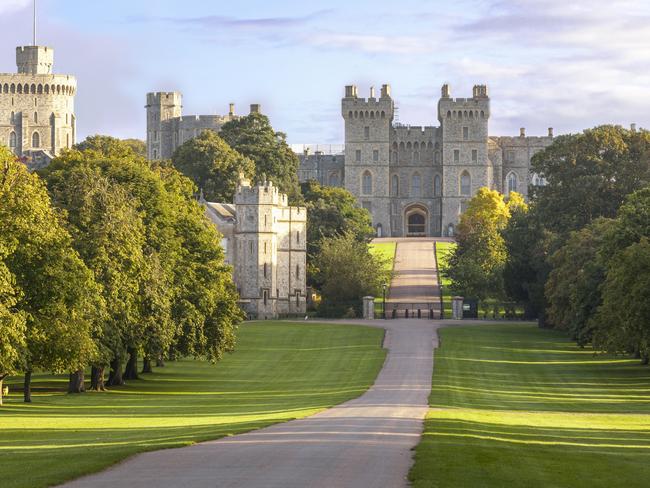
(357, 155)
(366, 132)
(465, 133)
(474, 155)
(456, 155)
(510, 156)
(375, 155)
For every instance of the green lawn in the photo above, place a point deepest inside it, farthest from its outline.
(387, 251)
(280, 372)
(443, 249)
(516, 406)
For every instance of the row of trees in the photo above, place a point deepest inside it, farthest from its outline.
(105, 257)
(577, 256)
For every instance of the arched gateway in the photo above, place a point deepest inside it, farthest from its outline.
(416, 221)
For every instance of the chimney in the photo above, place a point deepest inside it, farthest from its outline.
(550, 131)
(372, 92)
(231, 110)
(351, 91)
(255, 108)
(522, 132)
(385, 91)
(633, 127)
(445, 92)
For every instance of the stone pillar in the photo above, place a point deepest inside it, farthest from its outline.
(457, 308)
(369, 308)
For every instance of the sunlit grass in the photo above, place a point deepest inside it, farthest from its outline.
(279, 372)
(443, 251)
(517, 406)
(385, 250)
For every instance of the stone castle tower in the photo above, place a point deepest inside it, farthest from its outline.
(37, 116)
(266, 244)
(368, 125)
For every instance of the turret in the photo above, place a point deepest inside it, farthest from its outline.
(161, 106)
(34, 60)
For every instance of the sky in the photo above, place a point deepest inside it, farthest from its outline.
(567, 64)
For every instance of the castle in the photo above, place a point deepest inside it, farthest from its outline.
(416, 181)
(265, 241)
(167, 128)
(37, 117)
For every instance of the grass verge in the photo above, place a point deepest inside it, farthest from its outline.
(517, 406)
(280, 371)
(443, 251)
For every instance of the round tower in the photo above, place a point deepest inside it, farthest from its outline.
(37, 107)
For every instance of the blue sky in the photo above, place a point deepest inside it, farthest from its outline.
(566, 64)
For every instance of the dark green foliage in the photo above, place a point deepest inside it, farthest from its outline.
(212, 165)
(254, 137)
(331, 212)
(348, 272)
(589, 175)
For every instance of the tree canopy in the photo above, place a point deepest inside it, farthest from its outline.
(212, 165)
(254, 137)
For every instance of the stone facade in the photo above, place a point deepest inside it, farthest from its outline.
(168, 128)
(417, 180)
(37, 117)
(265, 241)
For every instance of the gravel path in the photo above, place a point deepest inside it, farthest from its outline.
(362, 443)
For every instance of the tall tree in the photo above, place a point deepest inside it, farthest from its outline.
(348, 272)
(254, 137)
(213, 165)
(331, 212)
(623, 320)
(573, 286)
(12, 323)
(476, 264)
(526, 266)
(589, 175)
(59, 294)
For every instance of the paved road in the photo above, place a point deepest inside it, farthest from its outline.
(363, 443)
(415, 280)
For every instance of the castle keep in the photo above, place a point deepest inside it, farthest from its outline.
(168, 128)
(265, 242)
(37, 117)
(416, 181)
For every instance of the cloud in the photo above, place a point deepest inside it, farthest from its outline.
(12, 5)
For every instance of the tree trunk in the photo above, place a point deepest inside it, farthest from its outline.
(131, 370)
(77, 382)
(160, 362)
(97, 378)
(115, 376)
(27, 389)
(2, 378)
(146, 365)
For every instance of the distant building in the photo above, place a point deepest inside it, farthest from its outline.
(416, 181)
(265, 241)
(37, 117)
(168, 128)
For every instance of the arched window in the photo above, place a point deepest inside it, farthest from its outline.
(465, 184)
(512, 182)
(436, 157)
(334, 179)
(36, 117)
(416, 185)
(394, 186)
(13, 117)
(416, 156)
(12, 141)
(366, 183)
(36, 140)
(437, 186)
